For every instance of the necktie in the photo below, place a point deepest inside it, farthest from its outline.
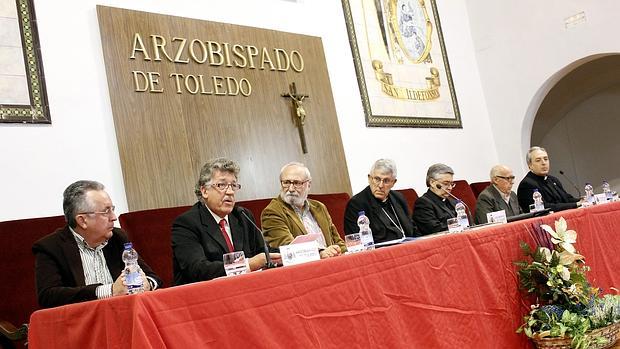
(226, 238)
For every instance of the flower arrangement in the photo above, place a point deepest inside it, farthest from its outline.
(566, 305)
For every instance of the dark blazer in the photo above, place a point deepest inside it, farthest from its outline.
(491, 200)
(556, 200)
(430, 213)
(281, 224)
(198, 244)
(59, 274)
(382, 228)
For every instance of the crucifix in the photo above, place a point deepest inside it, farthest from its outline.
(300, 113)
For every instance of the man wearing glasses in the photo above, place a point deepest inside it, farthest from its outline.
(432, 210)
(214, 226)
(292, 214)
(387, 210)
(83, 260)
(498, 196)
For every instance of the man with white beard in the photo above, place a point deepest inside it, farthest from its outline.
(292, 214)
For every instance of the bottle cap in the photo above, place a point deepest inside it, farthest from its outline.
(361, 213)
(128, 245)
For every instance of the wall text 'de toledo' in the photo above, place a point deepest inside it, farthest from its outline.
(157, 48)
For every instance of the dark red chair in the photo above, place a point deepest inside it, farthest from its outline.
(463, 191)
(18, 298)
(149, 231)
(411, 196)
(478, 187)
(256, 206)
(336, 205)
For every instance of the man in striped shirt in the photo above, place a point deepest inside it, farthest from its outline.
(82, 261)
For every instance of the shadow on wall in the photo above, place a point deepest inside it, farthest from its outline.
(577, 122)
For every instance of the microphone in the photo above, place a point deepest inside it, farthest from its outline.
(468, 211)
(268, 263)
(571, 182)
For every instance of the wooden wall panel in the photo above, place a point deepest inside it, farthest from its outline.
(164, 138)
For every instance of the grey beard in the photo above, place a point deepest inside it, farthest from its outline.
(293, 199)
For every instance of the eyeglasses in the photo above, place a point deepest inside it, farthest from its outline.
(509, 178)
(225, 186)
(379, 180)
(108, 211)
(448, 185)
(296, 184)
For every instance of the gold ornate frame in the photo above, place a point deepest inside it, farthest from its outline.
(399, 89)
(38, 110)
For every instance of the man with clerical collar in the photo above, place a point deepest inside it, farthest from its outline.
(387, 210)
(292, 214)
(215, 226)
(498, 196)
(432, 210)
(553, 194)
(83, 260)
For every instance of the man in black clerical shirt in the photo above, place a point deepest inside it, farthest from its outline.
(553, 194)
(387, 210)
(432, 210)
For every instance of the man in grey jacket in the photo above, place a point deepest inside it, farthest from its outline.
(498, 196)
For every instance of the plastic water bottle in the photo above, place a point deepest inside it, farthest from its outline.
(607, 191)
(133, 278)
(589, 194)
(365, 233)
(538, 201)
(461, 214)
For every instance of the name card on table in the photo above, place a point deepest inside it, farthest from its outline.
(497, 217)
(299, 253)
(600, 198)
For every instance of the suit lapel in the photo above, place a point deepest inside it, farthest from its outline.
(212, 228)
(378, 212)
(72, 254)
(236, 230)
(294, 217)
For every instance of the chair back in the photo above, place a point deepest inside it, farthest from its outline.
(255, 206)
(150, 233)
(463, 191)
(17, 289)
(336, 204)
(411, 196)
(478, 187)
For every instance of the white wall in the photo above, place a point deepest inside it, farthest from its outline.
(40, 161)
(522, 49)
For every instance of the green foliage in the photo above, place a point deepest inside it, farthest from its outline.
(567, 305)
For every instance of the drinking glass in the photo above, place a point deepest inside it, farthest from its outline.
(235, 263)
(454, 226)
(354, 243)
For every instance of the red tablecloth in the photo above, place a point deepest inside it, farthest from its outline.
(451, 291)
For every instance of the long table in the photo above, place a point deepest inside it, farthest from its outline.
(450, 291)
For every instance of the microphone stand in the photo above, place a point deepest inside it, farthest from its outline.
(268, 263)
(571, 182)
(467, 210)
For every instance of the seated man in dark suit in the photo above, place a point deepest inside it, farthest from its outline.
(292, 214)
(498, 196)
(553, 194)
(432, 210)
(83, 260)
(214, 226)
(387, 210)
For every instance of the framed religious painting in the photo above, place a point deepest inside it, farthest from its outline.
(22, 85)
(401, 63)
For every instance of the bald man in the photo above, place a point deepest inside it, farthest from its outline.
(498, 196)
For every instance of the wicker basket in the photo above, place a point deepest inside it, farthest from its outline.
(610, 332)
